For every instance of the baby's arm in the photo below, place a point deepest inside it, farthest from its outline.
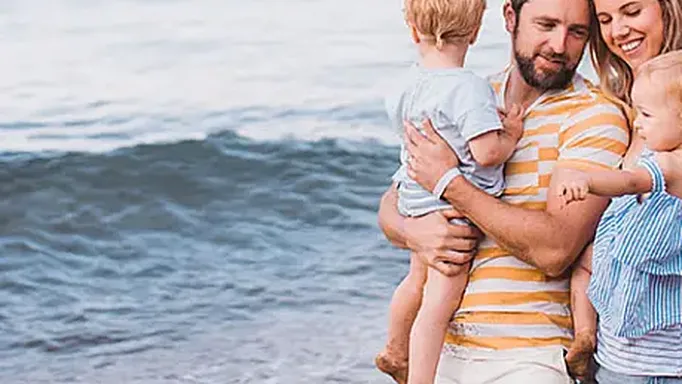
(606, 183)
(496, 147)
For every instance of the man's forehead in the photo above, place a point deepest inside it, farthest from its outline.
(564, 11)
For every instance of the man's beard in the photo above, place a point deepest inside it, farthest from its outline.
(544, 80)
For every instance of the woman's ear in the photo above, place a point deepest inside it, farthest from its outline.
(509, 17)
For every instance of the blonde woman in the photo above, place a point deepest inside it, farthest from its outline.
(627, 34)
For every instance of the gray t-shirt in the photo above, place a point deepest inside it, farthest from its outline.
(461, 106)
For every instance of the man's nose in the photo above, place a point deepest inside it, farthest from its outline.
(558, 41)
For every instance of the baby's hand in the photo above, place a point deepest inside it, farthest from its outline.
(575, 189)
(512, 121)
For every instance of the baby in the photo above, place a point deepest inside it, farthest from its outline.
(638, 244)
(463, 109)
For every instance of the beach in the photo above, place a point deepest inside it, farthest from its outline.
(189, 188)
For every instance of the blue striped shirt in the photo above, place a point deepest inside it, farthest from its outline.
(636, 284)
(656, 354)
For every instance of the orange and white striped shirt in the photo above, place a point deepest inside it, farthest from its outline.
(509, 303)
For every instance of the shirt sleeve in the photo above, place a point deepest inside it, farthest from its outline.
(594, 137)
(478, 107)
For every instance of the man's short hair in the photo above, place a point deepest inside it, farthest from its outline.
(516, 6)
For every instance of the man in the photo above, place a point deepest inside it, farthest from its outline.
(514, 321)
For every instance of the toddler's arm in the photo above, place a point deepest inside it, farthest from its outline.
(496, 147)
(606, 183)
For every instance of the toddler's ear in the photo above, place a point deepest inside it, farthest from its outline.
(415, 34)
(474, 35)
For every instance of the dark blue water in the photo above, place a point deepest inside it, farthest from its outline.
(221, 260)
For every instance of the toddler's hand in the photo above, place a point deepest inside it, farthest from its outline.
(575, 189)
(512, 121)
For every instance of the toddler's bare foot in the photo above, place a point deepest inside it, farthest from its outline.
(579, 357)
(392, 366)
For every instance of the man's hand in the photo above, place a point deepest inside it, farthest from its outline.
(442, 245)
(429, 155)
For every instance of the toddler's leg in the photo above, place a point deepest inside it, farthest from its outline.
(584, 318)
(404, 306)
(442, 296)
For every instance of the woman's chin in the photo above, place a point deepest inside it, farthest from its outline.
(638, 57)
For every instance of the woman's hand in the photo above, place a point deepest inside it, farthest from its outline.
(429, 155)
(442, 245)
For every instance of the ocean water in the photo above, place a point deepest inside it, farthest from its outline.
(189, 188)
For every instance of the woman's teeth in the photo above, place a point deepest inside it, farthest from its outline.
(631, 45)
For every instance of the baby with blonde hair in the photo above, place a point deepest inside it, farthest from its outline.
(463, 109)
(657, 99)
(636, 260)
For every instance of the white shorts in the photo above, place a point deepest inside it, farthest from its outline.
(544, 365)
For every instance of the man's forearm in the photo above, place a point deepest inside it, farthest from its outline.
(390, 220)
(538, 237)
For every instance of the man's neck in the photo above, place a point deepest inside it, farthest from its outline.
(517, 91)
(450, 56)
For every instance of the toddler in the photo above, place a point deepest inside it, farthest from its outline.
(463, 109)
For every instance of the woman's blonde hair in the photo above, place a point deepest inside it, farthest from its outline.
(445, 20)
(615, 76)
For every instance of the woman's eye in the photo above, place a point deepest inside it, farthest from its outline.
(632, 12)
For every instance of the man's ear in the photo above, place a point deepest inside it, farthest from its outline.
(509, 17)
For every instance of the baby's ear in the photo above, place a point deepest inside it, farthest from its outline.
(474, 35)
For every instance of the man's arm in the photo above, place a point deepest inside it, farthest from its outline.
(442, 245)
(551, 240)
(390, 220)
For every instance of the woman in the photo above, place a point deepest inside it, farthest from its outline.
(630, 33)
(627, 34)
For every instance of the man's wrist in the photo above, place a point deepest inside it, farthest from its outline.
(404, 232)
(453, 189)
(444, 181)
